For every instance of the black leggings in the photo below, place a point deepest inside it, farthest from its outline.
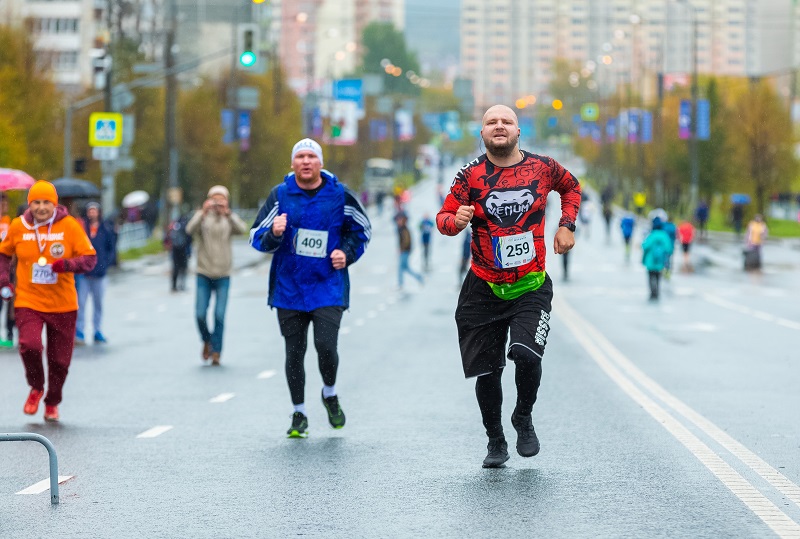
(294, 328)
(489, 390)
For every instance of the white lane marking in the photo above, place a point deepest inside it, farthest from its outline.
(380, 270)
(761, 315)
(592, 341)
(44, 485)
(360, 322)
(369, 290)
(131, 316)
(263, 375)
(155, 431)
(222, 397)
(161, 308)
(372, 314)
(697, 326)
(381, 306)
(344, 330)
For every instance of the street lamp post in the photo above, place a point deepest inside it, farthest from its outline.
(693, 147)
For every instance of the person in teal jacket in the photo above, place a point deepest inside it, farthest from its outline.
(655, 251)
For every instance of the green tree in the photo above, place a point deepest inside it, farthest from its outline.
(30, 109)
(382, 41)
(766, 130)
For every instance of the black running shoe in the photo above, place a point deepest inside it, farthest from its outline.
(299, 428)
(498, 453)
(335, 413)
(527, 442)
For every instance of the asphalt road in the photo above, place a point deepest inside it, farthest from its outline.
(676, 419)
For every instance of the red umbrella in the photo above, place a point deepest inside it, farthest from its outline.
(14, 179)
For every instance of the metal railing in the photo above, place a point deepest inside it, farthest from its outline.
(51, 451)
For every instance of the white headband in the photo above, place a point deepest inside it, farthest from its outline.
(308, 144)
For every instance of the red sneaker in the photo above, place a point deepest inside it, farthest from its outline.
(50, 413)
(32, 404)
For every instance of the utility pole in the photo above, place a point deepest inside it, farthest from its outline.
(107, 168)
(693, 146)
(170, 116)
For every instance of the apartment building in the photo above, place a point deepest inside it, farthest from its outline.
(508, 47)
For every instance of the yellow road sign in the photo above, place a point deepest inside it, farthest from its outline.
(105, 129)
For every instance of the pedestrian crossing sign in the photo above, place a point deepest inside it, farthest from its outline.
(105, 129)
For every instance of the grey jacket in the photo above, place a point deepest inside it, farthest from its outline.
(213, 237)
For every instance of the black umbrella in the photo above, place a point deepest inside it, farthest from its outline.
(75, 188)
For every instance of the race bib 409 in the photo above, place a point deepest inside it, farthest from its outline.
(312, 243)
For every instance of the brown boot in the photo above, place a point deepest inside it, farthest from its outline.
(206, 350)
(215, 358)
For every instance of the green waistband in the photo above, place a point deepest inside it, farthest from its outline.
(530, 282)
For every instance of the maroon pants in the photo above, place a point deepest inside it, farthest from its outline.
(60, 340)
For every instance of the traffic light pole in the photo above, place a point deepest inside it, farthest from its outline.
(170, 113)
(108, 167)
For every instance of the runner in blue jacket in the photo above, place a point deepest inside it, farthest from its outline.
(315, 227)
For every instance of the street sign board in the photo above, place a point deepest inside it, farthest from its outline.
(105, 153)
(105, 129)
(685, 119)
(247, 97)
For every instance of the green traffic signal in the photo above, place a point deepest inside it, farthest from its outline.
(247, 58)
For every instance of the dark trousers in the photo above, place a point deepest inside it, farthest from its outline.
(180, 262)
(60, 328)
(294, 328)
(654, 278)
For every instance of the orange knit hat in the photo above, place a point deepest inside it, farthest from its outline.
(43, 190)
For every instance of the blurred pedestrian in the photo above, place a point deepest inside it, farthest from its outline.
(426, 227)
(586, 214)
(50, 247)
(737, 219)
(669, 227)
(212, 229)
(179, 243)
(507, 292)
(701, 215)
(404, 243)
(627, 224)
(755, 235)
(685, 237)
(93, 282)
(8, 304)
(315, 228)
(655, 249)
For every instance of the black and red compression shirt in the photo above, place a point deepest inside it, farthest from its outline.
(508, 201)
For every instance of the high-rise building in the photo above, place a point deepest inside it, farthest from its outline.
(509, 47)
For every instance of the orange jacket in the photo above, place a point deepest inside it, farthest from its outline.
(37, 249)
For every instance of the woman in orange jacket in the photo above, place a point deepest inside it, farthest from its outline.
(50, 246)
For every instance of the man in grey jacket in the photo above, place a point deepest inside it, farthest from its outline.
(212, 229)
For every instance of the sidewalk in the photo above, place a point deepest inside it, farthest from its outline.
(244, 257)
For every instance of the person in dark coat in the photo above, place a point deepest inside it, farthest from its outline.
(94, 282)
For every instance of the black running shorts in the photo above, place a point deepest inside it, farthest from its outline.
(485, 321)
(293, 322)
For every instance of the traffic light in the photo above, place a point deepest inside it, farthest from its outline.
(247, 47)
(101, 63)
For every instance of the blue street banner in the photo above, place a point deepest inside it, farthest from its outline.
(349, 90)
(452, 125)
(597, 132)
(611, 130)
(317, 124)
(526, 129)
(434, 121)
(378, 130)
(243, 129)
(647, 127)
(685, 119)
(633, 126)
(703, 130)
(228, 126)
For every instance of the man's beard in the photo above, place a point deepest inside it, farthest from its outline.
(502, 149)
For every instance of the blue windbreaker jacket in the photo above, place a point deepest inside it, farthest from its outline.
(306, 283)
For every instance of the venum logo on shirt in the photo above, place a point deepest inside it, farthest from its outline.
(506, 208)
